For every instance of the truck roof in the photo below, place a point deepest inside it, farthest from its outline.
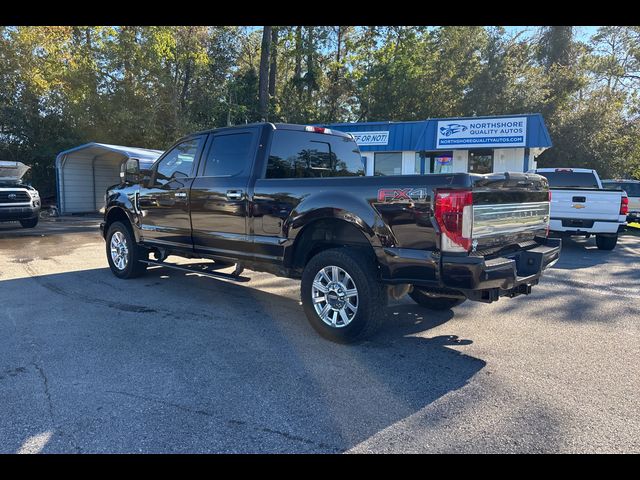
(571, 169)
(621, 180)
(275, 126)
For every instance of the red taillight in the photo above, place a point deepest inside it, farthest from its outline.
(317, 129)
(453, 212)
(624, 205)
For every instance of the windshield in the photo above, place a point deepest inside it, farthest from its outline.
(570, 179)
(12, 172)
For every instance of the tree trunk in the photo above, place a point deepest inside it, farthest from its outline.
(273, 69)
(311, 81)
(298, 71)
(263, 83)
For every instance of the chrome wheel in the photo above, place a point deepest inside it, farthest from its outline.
(119, 250)
(334, 296)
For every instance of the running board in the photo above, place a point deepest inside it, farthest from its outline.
(206, 273)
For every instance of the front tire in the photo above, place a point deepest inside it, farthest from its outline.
(29, 223)
(123, 253)
(341, 296)
(606, 242)
(434, 303)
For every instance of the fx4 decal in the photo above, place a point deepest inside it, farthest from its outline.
(402, 194)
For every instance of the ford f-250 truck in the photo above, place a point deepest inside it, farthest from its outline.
(293, 201)
(18, 201)
(580, 206)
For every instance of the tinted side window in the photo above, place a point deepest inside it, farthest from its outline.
(178, 162)
(230, 155)
(297, 154)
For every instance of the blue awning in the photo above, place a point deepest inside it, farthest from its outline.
(423, 135)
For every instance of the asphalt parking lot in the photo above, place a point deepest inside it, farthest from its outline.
(173, 362)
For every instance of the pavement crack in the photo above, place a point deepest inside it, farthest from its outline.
(163, 402)
(257, 428)
(47, 393)
(297, 438)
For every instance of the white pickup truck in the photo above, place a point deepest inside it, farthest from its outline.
(580, 205)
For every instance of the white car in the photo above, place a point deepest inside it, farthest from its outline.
(632, 187)
(18, 201)
(580, 206)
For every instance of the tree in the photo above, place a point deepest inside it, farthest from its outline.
(263, 85)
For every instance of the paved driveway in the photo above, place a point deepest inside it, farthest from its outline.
(172, 362)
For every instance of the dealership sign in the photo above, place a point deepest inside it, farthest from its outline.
(371, 138)
(499, 132)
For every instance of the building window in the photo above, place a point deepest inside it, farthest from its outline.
(481, 161)
(434, 162)
(387, 163)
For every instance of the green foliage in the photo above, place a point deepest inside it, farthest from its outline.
(147, 85)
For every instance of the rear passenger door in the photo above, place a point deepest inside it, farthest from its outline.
(218, 197)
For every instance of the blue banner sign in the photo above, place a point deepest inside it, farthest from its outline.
(488, 133)
(371, 138)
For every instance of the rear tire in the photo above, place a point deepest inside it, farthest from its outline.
(350, 277)
(123, 253)
(606, 242)
(29, 223)
(434, 303)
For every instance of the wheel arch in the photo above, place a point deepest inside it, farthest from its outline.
(323, 233)
(119, 214)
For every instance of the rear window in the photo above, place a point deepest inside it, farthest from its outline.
(296, 154)
(570, 179)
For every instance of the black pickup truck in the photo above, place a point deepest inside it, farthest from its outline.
(292, 200)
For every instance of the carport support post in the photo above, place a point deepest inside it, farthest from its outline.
(93, 171)
(526, 159)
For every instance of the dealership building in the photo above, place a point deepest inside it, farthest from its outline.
(446, 145)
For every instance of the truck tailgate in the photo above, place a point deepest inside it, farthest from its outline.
(509, 208)
(589, 204)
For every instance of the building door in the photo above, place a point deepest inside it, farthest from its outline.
(434, 162)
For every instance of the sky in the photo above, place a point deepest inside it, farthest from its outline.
(582, 33)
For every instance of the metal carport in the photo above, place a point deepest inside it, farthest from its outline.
(84, 173)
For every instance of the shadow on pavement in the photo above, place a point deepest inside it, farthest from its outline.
(583, 253)
(174, 362)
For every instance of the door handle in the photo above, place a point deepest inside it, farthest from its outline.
(180, 195)
(234, 194)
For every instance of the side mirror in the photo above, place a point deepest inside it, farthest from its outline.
(130, 171)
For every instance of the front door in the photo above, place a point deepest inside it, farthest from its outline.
(219, 202)
(164, 201)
